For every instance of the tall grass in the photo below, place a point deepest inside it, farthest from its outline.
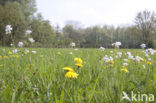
(39, 77)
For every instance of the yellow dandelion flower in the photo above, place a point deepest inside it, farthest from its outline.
(111, 61)
(1, 65)
(124, 69)
(71, 74)
(78, 60)
(5, 57)
(25, 53)
(79, 65)
(15, 56)
(149, 63)
(68, 68)
(58, 53)
(10, 52)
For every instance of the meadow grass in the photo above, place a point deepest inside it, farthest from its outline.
(40, 78)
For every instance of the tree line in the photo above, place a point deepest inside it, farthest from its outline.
(22, 15)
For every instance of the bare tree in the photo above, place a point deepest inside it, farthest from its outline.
(146, 22)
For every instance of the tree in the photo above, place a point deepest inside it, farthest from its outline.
(146, 22)
(43, 33)
(11, 15)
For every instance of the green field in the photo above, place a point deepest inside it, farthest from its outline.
(40, 78)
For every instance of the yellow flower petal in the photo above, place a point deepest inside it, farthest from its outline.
(68, 68)
(71, 74)
(79, 65)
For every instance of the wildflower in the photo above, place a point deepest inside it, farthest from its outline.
(8, 29)
(10, 52)
(75, 49)
(71, 74)
(72, 44)
(11, 44)
(131, 57)
(15, 56)
(143, 66)
(146, 54)
(20, 44)
(150, 51)
(70, 53)
(78, 60)
(68, 68)
(58, 53)
(128, 53)
(28, 32)
(25, 53)
(139, 59)
(149, 63)
(108, 59)
(143, 46)
(125, 64)
(149, 59)
(34, 52)
(119, 54)
(102, 48)
(111, 51)
(31, 40)
(125, 60)
(79, 65)
(116, 44)
(116, 56)
(14, 51)
(0, 57)
(5, 57)
(124, 69)
(111, 61)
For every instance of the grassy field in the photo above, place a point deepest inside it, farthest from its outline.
(29, 77)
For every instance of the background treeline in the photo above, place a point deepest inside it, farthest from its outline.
(22, 15)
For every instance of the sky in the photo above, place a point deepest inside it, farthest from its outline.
(93, 12)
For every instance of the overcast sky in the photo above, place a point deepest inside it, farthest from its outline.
(93, 12)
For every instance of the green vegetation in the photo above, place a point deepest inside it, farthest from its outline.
(36, 75)
(40, 78)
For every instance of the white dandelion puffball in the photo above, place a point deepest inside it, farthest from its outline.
(20, 44)
(8, 29)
